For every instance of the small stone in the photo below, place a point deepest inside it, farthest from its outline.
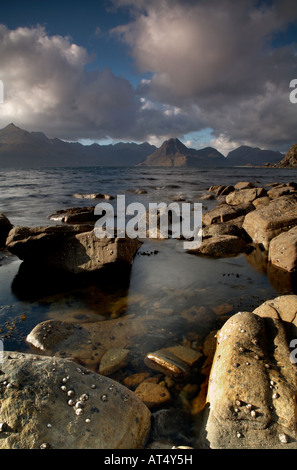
(104, 398)
(88, 420)
(71, 402)
(239, 435)
(48, 425)
(275, 395)
(63, 388)
(253, 414)
(93, 386)
(70, 393)
(249, 406)
(236, 364)
(79, 411)
(238, 403)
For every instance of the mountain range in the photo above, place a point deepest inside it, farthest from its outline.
(20, 148)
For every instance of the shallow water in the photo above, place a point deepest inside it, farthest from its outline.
(192, 295)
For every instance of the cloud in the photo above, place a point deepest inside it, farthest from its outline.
(213, 64)
(47, 87)
(220, 57)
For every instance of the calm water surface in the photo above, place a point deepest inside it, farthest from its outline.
(188, 295)
(171, 278)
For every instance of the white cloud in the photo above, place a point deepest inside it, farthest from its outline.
(212, 64)
(48, 88)
(217, 55)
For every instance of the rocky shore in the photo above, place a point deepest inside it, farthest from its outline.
(101, 385)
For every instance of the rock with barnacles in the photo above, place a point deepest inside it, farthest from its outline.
(256, 399)
(36, 414)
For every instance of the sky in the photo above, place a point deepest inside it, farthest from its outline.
(209, 72)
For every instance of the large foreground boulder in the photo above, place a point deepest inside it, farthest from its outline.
(48, 402)
(75, 249)
(253, 385)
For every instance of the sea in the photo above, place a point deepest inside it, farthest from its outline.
(193, 295)
(28, 197)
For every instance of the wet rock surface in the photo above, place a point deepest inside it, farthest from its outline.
(48, 402)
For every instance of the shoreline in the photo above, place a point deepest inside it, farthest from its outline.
(175, 375)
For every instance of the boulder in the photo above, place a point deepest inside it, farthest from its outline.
(74, 249)
(92, 196)
(225, 228)
(76, 215)
(252, 385)
(244, 185)
(269, 221)
(281, 190)
(220, 246)
(283, 250)
(5, 227)
(244, 196)
(261, 202)
(225, 212)
(51, 403)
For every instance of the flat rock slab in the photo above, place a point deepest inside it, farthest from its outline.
(226, 212)
(221, 246)
(242, 196)
(283, 250)
(36, 411)
(265, 223)
(175, 361)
